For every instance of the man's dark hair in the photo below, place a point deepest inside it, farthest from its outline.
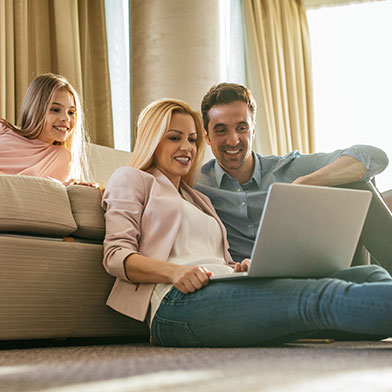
(223, 93)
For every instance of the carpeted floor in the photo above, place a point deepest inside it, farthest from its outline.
(124, 366)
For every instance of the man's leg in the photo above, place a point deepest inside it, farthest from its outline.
(376, 235)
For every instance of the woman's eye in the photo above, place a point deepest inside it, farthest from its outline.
(174, 138)
(192, 140)
(55, 110)
(71, 113)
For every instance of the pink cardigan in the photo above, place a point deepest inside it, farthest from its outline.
(32, 157)
(143, 215)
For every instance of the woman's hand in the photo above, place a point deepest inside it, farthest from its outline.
(243, 266)
(188, 279)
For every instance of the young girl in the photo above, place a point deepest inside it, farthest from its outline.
(49, 140)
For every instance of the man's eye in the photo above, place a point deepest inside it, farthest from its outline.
(219, 130)
(243, 128)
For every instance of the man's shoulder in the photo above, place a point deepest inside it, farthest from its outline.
(207, 174)
(273, 162)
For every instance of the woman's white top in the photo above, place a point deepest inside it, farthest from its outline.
(199, 242)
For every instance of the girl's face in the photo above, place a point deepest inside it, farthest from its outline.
(60, 119)
(177, 149)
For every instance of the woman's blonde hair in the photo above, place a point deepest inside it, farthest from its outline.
(153, 123)
(35, 107)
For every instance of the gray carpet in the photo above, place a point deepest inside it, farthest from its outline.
(305, 367)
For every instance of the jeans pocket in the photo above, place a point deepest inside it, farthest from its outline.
(172, 333)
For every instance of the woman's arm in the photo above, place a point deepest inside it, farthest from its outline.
(187, 279)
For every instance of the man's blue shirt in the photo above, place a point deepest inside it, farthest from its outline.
(240, 205)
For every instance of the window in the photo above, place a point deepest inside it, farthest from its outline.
(352, 72)
(117, 29)
(232, 57)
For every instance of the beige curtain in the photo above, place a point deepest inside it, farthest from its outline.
(279, 75)
(66, 37)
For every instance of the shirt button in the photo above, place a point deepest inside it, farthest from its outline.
(243, 203)
(239, 190)
(250, 226)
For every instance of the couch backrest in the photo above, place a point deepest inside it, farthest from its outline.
(103, 161)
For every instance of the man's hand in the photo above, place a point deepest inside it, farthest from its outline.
(188, 279)
(243, 266)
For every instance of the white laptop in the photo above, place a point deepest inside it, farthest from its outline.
(306, 231)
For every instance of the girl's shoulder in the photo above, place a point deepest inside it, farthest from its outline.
(5, 126)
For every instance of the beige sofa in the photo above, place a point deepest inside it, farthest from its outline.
(52, 282)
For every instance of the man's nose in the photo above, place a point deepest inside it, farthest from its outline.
(232, 139)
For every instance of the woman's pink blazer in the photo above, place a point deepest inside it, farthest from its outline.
(143, 215)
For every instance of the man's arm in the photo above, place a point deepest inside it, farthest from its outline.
(357, 163)
(343, 170)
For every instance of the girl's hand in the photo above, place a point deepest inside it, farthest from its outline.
(84, 183)
(188, 279)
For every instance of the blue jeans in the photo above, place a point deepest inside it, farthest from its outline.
(255, 312)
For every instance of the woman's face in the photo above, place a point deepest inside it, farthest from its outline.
(61, 118)
(177, 149)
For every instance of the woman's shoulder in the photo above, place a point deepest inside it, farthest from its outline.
(127, 183)
(130, 179)
(126, 173)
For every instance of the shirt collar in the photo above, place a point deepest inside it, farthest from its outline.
(220, 173)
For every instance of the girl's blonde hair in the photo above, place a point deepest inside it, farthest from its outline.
(153, 123)
(35, 107)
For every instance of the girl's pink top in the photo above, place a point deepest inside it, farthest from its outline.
(32, 157)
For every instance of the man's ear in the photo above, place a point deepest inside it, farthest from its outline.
(207, 137)
(253, 131)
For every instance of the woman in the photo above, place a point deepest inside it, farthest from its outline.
(50, 139)
(164, 240)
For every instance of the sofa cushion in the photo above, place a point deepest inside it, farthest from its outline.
(103, 161)
(34, 205)
(87, 212)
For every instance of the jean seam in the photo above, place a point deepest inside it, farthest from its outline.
(158, 320)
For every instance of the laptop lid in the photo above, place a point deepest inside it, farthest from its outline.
(308, 231)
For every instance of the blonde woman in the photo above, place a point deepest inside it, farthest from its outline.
(164, 240)
(50, 138)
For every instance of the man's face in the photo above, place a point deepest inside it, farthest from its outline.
(230, 135)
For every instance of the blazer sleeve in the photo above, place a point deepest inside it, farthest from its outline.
(124, 201)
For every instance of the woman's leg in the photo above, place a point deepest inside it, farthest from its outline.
(263, 311)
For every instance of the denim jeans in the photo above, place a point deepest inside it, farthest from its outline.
(255, 312)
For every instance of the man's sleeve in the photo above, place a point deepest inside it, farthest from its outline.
(374, 160)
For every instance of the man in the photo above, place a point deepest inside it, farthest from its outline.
(237, 179)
